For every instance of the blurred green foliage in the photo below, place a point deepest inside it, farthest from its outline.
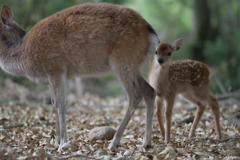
(213, 39)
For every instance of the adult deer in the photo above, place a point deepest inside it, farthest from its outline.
(84, 40)
(186, 77)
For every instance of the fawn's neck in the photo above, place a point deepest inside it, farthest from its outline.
(11, 56)
(164, 76)
(159, 77)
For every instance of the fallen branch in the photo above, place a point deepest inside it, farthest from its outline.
(16, 126)
(191, 119)
(234, 119)
(227, 95)
(220, 84)
(80, 155)
(22, 125)
(207, 138)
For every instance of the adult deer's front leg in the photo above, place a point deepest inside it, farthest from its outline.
(57, 85)
(56, 116)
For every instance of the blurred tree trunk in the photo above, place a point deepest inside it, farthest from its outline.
(204, 29)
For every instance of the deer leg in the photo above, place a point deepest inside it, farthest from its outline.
(129, 81)
(168, 116)
(196, 99)
(149, 95)
(158, 113)
(58, 97)
(56, 117)
(216, 113)
(199, 113)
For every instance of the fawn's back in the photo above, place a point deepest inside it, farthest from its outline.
(87, 39)
(185, 72)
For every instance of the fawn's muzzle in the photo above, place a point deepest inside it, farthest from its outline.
(161, 61)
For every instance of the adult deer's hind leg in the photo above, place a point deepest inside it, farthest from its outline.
(128, 78)
(149, 95)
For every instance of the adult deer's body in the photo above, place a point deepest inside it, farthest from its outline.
(186, 77)
(85, 40)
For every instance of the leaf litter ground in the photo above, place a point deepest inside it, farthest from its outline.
(27, 131)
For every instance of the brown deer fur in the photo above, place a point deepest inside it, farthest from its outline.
(186, 77)
(84, 40)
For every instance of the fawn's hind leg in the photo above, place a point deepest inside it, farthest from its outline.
(207, 99)
(199, 113)
(213, 103)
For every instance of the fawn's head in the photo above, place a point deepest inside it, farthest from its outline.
(165, 50)
(10, 31)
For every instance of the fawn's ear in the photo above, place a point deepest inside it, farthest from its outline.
(177, 44)
(7, 16)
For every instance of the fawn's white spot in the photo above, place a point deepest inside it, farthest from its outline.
(190, 65)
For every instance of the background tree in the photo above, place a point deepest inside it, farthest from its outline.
(210, 29)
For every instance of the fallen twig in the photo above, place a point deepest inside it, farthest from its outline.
(230, 94)
(234, 119)
(220, 84)
(207, 138)
(191, 119)
(79, 155)
(22, 125)
(16, 126)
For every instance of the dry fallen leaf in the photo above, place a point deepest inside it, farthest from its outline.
(28, 131)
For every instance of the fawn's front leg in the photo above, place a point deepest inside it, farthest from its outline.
(168, 116)
(57, 86)
(158, 113)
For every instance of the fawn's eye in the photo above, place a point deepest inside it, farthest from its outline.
(155, 52)
(23, 32)
(169, 53)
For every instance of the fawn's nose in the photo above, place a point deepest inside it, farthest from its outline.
(161, 61)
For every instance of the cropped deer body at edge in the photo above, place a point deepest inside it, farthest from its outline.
(186, 77)
(85, 40)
